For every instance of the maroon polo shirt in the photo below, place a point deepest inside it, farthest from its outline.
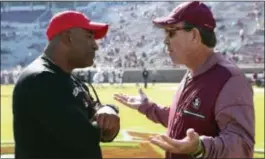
(217, 101)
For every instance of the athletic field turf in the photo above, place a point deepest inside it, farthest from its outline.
(130, 119)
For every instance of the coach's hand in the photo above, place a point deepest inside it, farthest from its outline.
(107, 119)
(133, 102)
(188, 145)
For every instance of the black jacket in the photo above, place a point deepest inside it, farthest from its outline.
(50, 116)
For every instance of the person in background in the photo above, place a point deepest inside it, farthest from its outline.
(145, 75)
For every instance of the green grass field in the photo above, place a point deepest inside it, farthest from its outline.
(130, 119)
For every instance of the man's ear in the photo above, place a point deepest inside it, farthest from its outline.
(66, 38)
(196, 37)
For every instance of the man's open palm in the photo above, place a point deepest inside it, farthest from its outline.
(187, 145)
(133, 102)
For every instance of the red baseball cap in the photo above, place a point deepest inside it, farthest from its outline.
(194, 12)
(73, 19)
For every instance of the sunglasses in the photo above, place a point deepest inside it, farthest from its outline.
(171, 32)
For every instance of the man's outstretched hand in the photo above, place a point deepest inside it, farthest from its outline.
(187, 145)
(133, 102)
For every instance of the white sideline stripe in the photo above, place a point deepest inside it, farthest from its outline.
(126, 136)
(259, 150)
(258, 90)
(8, 156)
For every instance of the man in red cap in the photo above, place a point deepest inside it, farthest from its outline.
(212, 114)
(53, 112)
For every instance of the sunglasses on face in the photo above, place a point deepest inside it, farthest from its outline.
(171, 32)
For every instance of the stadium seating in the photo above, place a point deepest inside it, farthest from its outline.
(130, 22)
(21, 16)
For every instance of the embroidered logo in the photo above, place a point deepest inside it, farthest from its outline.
(196, 103)
(76, 91)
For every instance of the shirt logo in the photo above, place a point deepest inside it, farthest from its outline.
(76, 91)
(196, 103)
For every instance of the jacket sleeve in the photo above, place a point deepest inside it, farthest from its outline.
(64, 121)
(113, 135)
(235, 117)
(155, 113)
(160, 114)
(98, 106)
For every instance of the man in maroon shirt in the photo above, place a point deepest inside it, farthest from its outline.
(212, 113)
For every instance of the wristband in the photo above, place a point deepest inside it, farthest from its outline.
(115, 108)
(199, 151)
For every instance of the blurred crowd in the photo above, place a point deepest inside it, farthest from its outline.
(110, 75)
(132, 40)
(10, 76)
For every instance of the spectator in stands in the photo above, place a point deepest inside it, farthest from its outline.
(242, 35)
(54, 114)
(145, 75)
(212, 114)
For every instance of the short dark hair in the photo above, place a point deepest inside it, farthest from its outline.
(208, 37)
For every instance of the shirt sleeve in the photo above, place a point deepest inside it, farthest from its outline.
(113, 136)
(114, 109)
(156, 113)
(65, 122)
(234, 113)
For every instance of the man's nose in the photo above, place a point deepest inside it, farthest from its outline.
(95, 45)
(166, 41)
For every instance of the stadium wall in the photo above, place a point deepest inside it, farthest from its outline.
(169, 75)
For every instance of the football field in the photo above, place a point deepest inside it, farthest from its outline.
(131, 119)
